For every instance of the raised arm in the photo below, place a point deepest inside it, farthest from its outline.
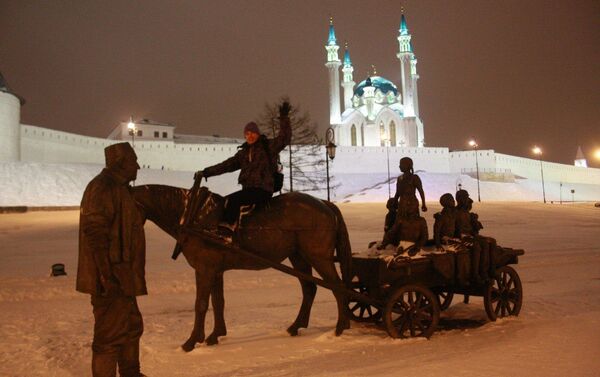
(284, 137)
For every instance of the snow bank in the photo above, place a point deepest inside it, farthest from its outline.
(37, 184)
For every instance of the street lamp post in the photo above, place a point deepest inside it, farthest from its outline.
(560, 192)
(474, 145)
(131, 128)
(291, 169)
(538, 151)
(387, 152)
(329, 154)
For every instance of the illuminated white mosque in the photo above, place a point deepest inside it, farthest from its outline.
(374, 112)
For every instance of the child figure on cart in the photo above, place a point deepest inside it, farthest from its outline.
(409, 233)
(406, 185)
(467, 228)
(444, 227)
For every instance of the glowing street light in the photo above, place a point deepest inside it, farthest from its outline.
(473, 144)
(538, 151)
(132, 130)
(597, 154)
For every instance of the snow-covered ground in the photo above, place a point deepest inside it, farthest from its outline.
(37, 184)
(46, 327)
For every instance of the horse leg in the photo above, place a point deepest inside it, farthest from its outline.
(218, 303)
(309, 291)
(204, 283)
(327, 270)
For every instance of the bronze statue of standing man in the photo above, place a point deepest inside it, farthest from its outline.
(112, 253)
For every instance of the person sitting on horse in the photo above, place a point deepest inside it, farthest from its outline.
(257, 161)
(406, 185)
(408, 232)
(445, 221)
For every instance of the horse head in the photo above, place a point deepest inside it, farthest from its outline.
(163, 205)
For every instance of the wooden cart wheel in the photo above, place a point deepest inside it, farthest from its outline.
(360, 311)
(411, 311)
(504, 294)
(445, 299)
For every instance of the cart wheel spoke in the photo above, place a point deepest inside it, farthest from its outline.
(419, 300)
(360, 311)
(412, 329)
(445, 299)
(510, 282)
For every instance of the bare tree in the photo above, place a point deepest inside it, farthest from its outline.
(306, 152)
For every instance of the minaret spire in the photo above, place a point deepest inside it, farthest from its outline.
(333, 64)
(407, 67)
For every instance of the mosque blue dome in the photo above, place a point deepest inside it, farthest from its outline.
(378, 82)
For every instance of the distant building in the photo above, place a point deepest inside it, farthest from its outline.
(375, 112)
(149, 130)
(580, 159)
(143, 129)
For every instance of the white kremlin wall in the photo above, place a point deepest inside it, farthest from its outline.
(375, 159)
(28, 143)
(44, 145)
(464, 161)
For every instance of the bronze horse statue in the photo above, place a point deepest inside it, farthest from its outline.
(296, 226)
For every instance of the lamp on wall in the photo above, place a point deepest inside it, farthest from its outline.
(538, 151)
(475, 146)
(132, 130)
(329, 153)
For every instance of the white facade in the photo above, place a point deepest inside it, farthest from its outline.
(10, 120)
(375, 112)
(143, 130)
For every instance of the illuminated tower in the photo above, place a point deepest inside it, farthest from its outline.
(333, 64)
(406, 57)
(10, 124)
(347, 81)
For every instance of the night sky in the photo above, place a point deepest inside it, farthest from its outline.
(509, 73)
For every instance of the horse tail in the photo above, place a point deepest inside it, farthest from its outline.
(342, 245)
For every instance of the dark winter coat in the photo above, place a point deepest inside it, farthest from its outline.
(257, 167)
(111, 237)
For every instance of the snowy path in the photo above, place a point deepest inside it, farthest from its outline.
(46, 327)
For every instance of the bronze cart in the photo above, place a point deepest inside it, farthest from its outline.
(409, 293)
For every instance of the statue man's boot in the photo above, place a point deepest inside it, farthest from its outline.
(104, 364)
(129, 360)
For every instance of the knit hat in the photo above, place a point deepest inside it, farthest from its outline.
(252, 127)
(116, 152)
